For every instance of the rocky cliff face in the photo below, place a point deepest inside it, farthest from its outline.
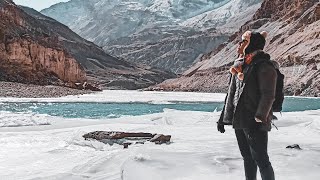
(168, 34)
(37, 49)
(32, 57)
(293, 41)
(26, 59)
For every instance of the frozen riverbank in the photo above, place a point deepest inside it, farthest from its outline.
(18, 90)
(43, 146)
(198, 151)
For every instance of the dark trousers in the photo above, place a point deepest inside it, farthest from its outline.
(253, 146)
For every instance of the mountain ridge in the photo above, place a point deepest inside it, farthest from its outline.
(156, 33)
(293, 41)
(38, 49)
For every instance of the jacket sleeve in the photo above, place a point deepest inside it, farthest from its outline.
(220, 121)
(227, 102)
(267, 79)
(227, 112)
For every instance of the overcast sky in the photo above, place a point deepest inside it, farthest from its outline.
(38, 4)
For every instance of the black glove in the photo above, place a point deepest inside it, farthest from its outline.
(274, 117)
(220, 127)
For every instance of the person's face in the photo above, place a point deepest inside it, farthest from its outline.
(242, 45)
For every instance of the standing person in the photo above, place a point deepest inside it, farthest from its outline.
(248, 105)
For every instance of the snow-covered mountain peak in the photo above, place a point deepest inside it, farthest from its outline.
(159, 33)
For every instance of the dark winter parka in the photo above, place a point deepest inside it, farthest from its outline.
(252, 97)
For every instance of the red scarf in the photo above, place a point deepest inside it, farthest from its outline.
(248, 58)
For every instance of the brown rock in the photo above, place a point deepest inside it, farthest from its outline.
(160, 138)
(84, 86)
(98, 135)
(29, 56)
(126, 138)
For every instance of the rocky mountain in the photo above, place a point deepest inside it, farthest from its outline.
(169, 34)
(293, 41)
(38, 49)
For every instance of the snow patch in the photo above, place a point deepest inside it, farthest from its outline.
(126, 96)
(9, 119)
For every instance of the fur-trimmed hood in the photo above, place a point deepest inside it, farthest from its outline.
(260, 55)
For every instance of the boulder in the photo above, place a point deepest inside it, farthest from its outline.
(160, 138)
(126, 138)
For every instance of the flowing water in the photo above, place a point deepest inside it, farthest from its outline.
(114, 110)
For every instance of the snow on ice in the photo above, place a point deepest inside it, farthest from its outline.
(197, 152)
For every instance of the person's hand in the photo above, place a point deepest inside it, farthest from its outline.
(220, 127)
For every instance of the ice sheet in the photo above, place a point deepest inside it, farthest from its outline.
(198, 151)
(129, 96)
